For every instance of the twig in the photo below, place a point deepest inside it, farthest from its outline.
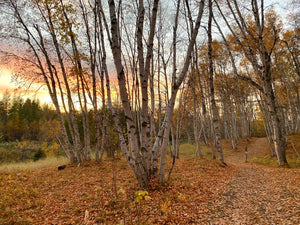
(173, 163)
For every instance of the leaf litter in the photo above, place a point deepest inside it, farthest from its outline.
(200, 191)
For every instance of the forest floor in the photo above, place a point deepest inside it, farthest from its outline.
(200, 191)
(258, 194)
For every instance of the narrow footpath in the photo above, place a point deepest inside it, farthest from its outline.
(258, 194)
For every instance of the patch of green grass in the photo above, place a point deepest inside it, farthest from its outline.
(22, 151)
(265, 161)
(293, 162)
(187, 150)
(18, 151)
(8, 145)
(47, 162)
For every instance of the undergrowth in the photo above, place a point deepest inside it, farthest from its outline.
(187, 150)
(293, 145)
(293, 162)
(46, 162)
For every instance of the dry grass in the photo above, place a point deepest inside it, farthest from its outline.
(187, 150)
(30, 165)
(293, 160)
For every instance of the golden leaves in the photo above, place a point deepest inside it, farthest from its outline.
(165, 206)
(142, 195)
(84, 195)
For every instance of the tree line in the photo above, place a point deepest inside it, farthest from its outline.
(20, 120)
(29, 120)
(225, 64)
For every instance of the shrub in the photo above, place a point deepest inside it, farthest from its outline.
(40, 154)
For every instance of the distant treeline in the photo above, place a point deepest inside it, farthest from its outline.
(28, 119)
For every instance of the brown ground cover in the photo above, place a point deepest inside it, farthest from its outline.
(87, 194)
(200, 191)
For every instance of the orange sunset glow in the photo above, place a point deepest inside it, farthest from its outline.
(33, 91)
(149, 112)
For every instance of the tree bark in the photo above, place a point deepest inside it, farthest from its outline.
(215, 115)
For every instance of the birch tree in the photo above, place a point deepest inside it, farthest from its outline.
(140, 151)
(214, 108)
(56, 58)
(258, 48)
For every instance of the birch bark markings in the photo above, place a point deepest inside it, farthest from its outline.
(76, 140)
(163, 134)
(198, 152)
(214, 108)
(141, 163)
(76, 58)
(131, 125)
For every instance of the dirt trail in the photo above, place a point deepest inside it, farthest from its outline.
(256, 147)
(257, 194)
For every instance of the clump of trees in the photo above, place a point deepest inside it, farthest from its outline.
(26, 126)
(28, 120)
(20, 120)
(149, 56)
(23, 126)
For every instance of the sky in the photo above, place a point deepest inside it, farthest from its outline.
(5, 80)
(8, 85)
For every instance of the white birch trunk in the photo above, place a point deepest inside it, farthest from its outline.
(215, 114)
(163, 133)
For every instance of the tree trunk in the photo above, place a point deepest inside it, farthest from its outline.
(278, 138)
(196, 118)
(214, 109)
(163, 133)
